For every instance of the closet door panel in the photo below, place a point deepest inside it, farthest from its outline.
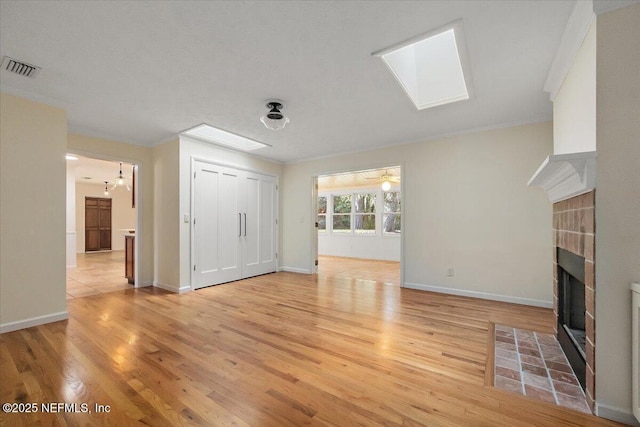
(259, 244)
(268, 225)
(215, 228)
(229, 230)
(251, 217)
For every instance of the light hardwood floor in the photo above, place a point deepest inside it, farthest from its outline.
(275, 350)
(387, 272)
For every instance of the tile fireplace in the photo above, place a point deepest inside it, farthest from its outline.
(574, 285)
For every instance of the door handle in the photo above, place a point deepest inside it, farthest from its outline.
(240, 224)
(245, 225)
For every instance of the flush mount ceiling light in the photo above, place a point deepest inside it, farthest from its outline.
(432, 67)
(213, 135)
(274, 119)
(120, 180)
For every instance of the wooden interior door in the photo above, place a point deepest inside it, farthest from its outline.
(97, 224)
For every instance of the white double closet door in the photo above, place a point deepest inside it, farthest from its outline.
(234, 224)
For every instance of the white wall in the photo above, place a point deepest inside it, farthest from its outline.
(33, 137)
(574, 108)
(617, 202)
(371, 246)
(466, 205)
(123, 216)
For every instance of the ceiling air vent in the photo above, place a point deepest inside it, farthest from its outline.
(19, 67)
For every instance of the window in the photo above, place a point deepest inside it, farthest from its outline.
(342, 214)
(392, 213)
(322, 214)
(364, 218)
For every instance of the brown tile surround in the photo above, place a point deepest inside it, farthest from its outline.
(574, 230)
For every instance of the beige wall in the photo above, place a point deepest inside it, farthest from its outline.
(33, 142)
(123, 216)
(167, 215)
(143, 157)
(466, 205)
(574, 108)
(617, 201)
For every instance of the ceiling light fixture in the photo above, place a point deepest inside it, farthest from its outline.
(274, 119)
(120, 180)
(106, 189)
(386, 186)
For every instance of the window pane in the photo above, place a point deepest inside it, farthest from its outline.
(322, 222)
(342, 223)
(392, 202)
(365, 224)
(322, 205)
(365, 203)
(342, 204)
(391, 223)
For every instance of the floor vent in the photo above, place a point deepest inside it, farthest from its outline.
(19, 67)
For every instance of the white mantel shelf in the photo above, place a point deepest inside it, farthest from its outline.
(563, 176)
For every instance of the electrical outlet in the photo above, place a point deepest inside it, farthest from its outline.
(450, 271)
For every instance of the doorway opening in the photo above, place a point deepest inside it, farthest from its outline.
(102, 220)
(358, 233)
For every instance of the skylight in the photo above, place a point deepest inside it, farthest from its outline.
(429, 67)
(207, 133)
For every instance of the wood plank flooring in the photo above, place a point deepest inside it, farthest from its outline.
(277, 350)
(361, 269)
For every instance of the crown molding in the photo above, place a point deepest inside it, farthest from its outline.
(577, 27)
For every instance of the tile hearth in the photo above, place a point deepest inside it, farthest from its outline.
(533, 364)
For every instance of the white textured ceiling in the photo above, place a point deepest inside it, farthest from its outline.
(95, 171)
(142, 71)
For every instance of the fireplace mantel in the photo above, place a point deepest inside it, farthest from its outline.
(563, 176)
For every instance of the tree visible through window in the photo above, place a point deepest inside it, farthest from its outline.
(364, 217)
(392, 212)
(342, 214)
(322, 214)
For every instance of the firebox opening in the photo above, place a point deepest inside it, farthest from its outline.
(571, 313)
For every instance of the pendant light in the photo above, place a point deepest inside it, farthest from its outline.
(106, 189)
(120, 180)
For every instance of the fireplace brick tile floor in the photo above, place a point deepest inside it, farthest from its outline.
(533, 364)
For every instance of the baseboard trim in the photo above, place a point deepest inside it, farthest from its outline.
(616, 414)
(172, 288)
(481, 295)
(295, 270)
(33, 321)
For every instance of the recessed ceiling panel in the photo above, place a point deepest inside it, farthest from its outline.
(214, 135)
(429, 67)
